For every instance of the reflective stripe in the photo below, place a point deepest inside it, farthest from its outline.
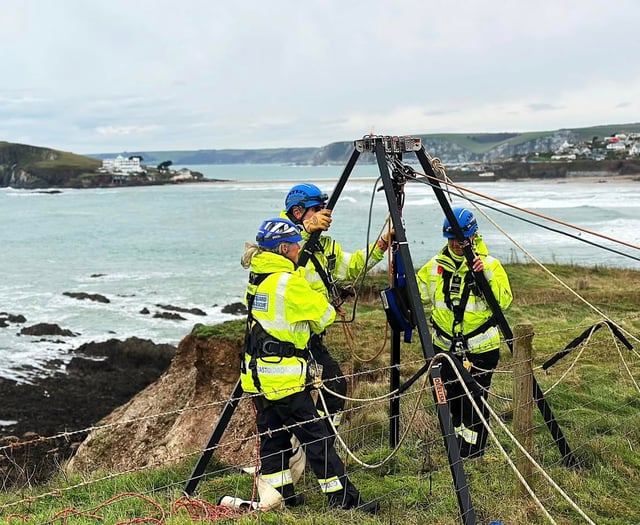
(478, 342)
(277, 370)
(330, 485)
(468, 435)
(280, 291)
(326, 318)
(278, 479)
(336, 418)
(313, 276)
(342, 265)
(277, 380)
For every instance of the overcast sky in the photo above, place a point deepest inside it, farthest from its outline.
(93, 76)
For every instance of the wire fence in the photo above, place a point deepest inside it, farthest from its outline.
(593, 391)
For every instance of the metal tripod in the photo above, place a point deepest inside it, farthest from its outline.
(388, 148)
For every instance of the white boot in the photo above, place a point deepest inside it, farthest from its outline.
(270, 498)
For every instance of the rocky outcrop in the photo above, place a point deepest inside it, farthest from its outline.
(90, 296)
(174, 416)
(101, 377)
(40, 329)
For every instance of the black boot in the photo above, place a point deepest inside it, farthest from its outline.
(291, 499)
(349, 498)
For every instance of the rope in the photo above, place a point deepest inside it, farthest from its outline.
(202, 510)
(462, 189)
(522, 449)
(528, 254)
(400, 441)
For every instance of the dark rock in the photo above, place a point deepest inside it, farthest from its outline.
(169, 315)
(13, 318)
(145, 311)
(194, 311)
(91, 296)
(46, 329)
(235, 309)
(136, 351)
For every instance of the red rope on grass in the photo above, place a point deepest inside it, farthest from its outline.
(202, 510)
(64, 514)
(16, 517)
(148, 519)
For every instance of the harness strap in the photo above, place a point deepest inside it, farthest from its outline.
(465, 337)
(325, 274)
(468, 286)
(255, 279)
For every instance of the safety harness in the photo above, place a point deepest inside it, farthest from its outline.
(451, 283)
(258, 343)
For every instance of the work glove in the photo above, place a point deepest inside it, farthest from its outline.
(321, 220)
(386, 239)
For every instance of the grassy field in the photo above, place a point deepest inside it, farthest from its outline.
(593, 393)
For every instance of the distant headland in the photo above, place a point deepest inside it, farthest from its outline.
(599, 152)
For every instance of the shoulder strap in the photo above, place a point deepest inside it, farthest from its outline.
(467, 286)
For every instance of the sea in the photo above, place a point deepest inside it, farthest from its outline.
(180, 245)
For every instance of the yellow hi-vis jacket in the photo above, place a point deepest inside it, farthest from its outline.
(347, 266)
(431, 283)
(288, 309)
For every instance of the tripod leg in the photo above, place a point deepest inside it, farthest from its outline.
(214, 439)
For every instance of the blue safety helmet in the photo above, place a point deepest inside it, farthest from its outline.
(274, 231)
(306, 195)
(466, 220)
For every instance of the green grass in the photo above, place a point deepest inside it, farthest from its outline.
(596, 405)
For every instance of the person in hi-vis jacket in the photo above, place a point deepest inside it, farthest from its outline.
(463, 323)
(284, 311)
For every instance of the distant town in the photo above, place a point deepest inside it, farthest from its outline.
(618, 146)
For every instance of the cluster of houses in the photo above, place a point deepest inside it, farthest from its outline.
(619, 145)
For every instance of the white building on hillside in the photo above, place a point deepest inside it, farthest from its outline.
(122, 165)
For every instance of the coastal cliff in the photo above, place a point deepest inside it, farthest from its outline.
(30, 167)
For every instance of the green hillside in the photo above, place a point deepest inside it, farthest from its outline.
(442, 143)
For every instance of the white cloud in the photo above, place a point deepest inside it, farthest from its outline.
(115, 75)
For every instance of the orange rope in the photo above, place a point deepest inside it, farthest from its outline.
(158, 508)
(16, 517)
(448, 182)
(64, 514)
(202, 510)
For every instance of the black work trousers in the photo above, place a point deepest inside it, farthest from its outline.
(332, 376)
(473, 435)
(298, 412)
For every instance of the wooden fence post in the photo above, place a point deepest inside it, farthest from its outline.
(523, 398)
